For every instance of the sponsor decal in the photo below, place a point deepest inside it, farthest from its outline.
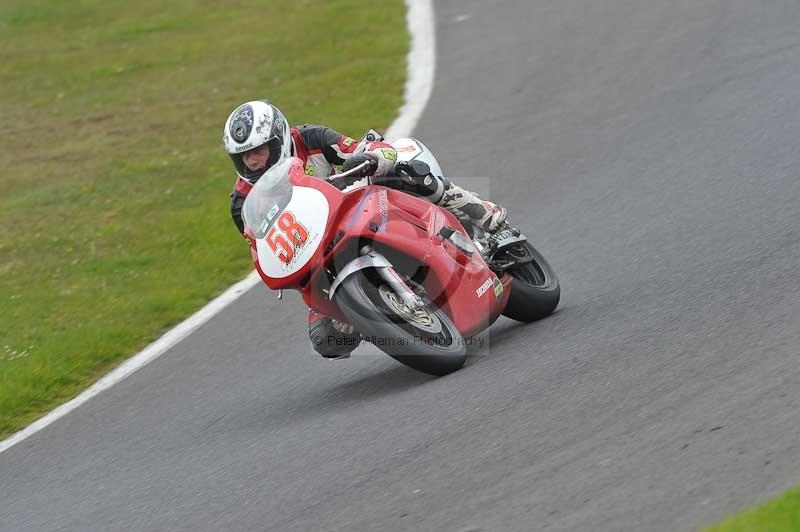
(241, 123)
(272, 212)
(298, 250)
(347, 142)
(498, 289)
(357, 210)
(309, 169)
(484, 287)
(390, 154)
(383, 207)
(428, 180)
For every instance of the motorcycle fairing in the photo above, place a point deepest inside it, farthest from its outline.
(309, 210)
(315, 209)
(411, 225)
(462, 285)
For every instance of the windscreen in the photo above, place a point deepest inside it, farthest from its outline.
(268, 197)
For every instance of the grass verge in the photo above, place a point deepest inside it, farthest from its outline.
(114, 221)
(777, 515)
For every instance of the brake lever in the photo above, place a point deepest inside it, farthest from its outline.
(341, 182)
(345, 179)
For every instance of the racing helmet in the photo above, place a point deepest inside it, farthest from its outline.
(252, 125)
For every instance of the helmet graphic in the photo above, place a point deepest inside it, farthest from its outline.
(252, 125)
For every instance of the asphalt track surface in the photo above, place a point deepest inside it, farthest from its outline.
(651, 149)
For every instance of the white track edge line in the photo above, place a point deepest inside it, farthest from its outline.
(421, 65)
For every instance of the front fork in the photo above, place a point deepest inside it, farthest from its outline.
(409, 298)
(406, 294)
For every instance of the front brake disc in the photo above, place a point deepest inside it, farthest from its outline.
(421, 318)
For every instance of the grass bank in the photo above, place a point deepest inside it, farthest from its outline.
(114, 221)
(778, 515)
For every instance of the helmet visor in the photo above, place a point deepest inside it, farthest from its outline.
(252, 163)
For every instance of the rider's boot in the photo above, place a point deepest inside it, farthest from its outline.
(465, 204)
(331, 339)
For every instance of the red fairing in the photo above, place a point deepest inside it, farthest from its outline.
(462, 285)
(334, 198)
(412, 226)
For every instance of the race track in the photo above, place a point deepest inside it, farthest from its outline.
(651, 150)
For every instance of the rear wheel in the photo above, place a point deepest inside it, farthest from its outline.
(535, 290)
(424, 339)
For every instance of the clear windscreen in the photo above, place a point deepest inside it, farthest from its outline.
(268, 197)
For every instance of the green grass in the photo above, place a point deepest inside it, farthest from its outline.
(778, 515)
(114, 221)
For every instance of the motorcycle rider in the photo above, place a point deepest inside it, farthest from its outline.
(257, 136)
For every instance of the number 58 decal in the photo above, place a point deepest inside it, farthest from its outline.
(289, 236)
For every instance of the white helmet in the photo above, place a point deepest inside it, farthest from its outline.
(254, 124)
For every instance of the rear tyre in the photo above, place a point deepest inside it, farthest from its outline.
(425, 340)
(535, 290)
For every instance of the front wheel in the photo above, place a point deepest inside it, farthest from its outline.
(425, 339)
(535, 290)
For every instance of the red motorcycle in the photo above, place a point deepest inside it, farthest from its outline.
(406, 273)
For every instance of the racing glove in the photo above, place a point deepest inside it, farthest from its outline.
(357, 160)
(384, 153)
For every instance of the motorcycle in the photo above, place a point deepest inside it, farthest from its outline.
(405, 272)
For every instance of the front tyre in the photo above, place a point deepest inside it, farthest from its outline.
(425, 339)
(535, 290)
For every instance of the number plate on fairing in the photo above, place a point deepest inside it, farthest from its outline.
(293, 240)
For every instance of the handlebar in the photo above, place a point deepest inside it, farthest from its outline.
(345, 179)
